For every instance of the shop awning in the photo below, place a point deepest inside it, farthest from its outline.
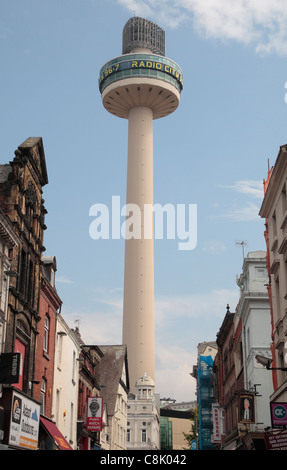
(54, 432)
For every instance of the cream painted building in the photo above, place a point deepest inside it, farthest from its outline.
(274, 211)
(66, 382)
(143, 419)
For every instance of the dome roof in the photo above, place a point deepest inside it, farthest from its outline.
(145, 381)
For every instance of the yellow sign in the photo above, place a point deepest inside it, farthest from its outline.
(142, 64)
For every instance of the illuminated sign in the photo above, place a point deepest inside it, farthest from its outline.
(142, 64)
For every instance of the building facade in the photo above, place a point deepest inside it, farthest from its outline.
(21, 183)
(254, 310)
(274, 211)
(226, 383)
(49, 307)
(21, 189)
(143, 417)
(8, 240)
(66, 381)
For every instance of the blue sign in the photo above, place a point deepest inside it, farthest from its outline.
(193, 445)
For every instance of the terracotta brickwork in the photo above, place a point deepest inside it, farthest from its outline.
(49, 306)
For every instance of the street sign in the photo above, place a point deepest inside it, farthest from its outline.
(9, 368)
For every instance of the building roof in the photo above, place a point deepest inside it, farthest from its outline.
(274, 181)
(145, 381)
(110, 370)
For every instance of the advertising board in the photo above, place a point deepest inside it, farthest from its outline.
(24, 422)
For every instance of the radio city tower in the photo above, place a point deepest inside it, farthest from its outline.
(140, 85)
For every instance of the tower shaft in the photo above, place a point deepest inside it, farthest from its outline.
(138, 312)
(140, 85)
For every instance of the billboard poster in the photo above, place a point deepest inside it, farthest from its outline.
(246, 407)
(24, 422)
(94, 414)
(278, 415)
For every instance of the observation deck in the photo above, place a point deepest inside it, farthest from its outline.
(141, 77)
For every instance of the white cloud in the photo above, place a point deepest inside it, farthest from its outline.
(261, 23)
(250, 187)
(173, 379)
(64, 280)
(249, 213)
(209, 304)
(214, 247)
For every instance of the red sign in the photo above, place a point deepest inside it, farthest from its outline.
(216, 437)
(94, 414)
(276, 440)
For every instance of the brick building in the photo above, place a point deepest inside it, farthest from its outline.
(21, 183)
(89, 386)
(49, 306)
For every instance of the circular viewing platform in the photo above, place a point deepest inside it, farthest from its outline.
(140, 80)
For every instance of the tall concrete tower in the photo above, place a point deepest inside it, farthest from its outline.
(140, 85)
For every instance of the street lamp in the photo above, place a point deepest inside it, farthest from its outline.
(266, 362)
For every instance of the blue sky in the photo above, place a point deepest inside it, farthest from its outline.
(213, 152)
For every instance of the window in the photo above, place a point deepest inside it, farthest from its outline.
(284, 201)
(43, 396)
(22, 276)
(30, 289)
(46, 334)
(128, 435)
(143, 435)
(26, 283)
(74, 368)
(71, 422)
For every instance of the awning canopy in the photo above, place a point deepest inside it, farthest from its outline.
(54, 432)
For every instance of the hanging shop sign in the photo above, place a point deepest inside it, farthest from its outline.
(276, 440)
(94, 414)
(278, 415)
(246, 407)
(216, 436)
(9, 368)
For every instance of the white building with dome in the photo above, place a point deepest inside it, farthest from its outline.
(143, 416)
